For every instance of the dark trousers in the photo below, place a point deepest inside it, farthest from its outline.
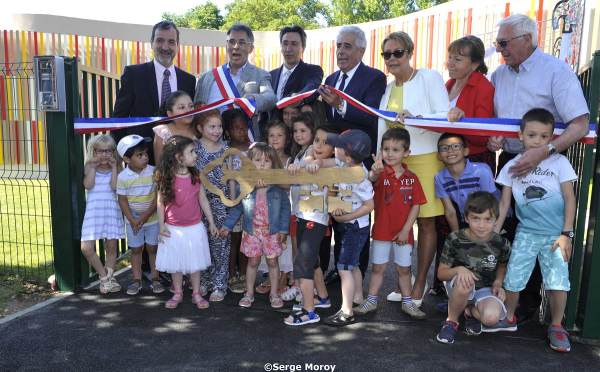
(325, 252)
(530, 298)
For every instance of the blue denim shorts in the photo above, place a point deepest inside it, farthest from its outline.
(146, 234)
(353, 240)
(527, 247)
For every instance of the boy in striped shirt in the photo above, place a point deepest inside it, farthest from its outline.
(136, 192)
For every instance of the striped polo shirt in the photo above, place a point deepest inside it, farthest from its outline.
(475, 177)
(140, 190)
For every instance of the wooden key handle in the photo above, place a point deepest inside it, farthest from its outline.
(246, 188)
(248, 175)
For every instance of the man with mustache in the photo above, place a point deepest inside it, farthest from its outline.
(531, 79)
(249, 80)
(295, 76)
(145, 86)
(365, 84)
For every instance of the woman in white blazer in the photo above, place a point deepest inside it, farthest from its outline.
(416, 93)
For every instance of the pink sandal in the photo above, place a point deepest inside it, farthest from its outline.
(173, 302)
(201, 303)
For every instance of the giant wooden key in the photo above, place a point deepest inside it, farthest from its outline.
(248, 175)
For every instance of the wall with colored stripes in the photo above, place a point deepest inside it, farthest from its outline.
(111, 46)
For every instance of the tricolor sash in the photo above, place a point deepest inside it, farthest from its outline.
(467, 126)
(229, 90)
(89, 125)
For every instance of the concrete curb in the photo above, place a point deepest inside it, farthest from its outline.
(52, 300)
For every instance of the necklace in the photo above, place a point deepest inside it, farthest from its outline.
(399, 84)
(182, 174)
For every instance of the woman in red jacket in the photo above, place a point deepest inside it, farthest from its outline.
(470, 92)
(471, 95)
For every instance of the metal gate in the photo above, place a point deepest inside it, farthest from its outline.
(25, 218)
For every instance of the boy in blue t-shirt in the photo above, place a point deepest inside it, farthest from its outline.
(460, 178)
(545, 206)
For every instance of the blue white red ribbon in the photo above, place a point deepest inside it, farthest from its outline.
(90, 125)
(467, 126)
(228, 90)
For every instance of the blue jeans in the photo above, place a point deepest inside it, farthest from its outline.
(353, 239)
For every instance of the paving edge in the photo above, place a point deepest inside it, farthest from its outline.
(14, 316)
(34, 307)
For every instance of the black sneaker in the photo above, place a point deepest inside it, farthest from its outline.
(448, 332)
(472, 325)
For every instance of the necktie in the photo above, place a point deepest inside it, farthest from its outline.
(343, 84)
(166, 87)
(341, 88)
(285, 80)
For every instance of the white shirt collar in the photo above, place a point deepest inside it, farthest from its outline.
(349, 73)
(160, 69)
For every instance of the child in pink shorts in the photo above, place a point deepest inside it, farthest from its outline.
(265, 224)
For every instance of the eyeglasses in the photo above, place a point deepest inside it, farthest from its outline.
(454, 146)
(504, 43)
(102, 152)
(240, 43)
(398, 53)
(240, 129)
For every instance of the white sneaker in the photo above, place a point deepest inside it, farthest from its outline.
(397, 297)
(291, 293)
(299, 298)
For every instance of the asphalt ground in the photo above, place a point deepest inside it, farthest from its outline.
(115, 332)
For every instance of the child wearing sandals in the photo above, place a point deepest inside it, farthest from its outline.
(351, 148)
(182, 240)
(235, 128)
(279, 136)
(103, 218)
(136, 192)
(266, 221)
(312, 226)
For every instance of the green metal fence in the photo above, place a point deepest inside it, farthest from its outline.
(587, 299)
(25, 218)
(90, 93)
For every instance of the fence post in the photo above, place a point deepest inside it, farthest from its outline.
(589, 298)
(62, 165)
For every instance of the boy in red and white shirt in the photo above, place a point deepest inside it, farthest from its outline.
(398, 196)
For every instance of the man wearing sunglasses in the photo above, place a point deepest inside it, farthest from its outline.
(533, 79)
(249, 80)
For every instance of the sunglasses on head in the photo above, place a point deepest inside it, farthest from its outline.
(398, 53)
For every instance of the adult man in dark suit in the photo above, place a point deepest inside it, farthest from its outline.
(365, 84)
(295, 76)
(145, 86)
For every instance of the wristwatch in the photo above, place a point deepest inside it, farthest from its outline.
(569, 233)
(341, 106)
(551, 149)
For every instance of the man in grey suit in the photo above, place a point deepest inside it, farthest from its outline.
(250, 81)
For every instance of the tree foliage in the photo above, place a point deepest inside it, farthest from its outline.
(207, 17)
(347, 12)
(270, 15)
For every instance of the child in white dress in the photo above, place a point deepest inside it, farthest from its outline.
(103, 218)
